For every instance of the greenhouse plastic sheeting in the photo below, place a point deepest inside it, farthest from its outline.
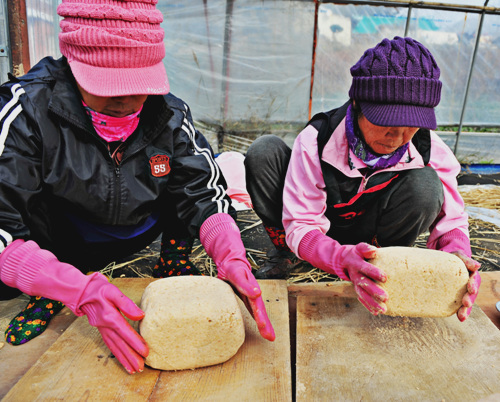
(249, 64)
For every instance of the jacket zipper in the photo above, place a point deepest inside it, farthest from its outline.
(116, 169)
(364, 180)
(116, 187)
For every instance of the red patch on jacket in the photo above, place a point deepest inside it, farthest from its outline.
(352, 214)
(160, 165)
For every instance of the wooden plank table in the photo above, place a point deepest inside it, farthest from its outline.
(345, 353)
(78, 366)
(56, 346)
(489, 293)
(16, 360)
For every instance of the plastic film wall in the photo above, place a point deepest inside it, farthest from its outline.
(248, 65)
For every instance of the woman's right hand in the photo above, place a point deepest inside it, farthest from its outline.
(348, 262)
(364, 276)
(38, 272)
(103, 304)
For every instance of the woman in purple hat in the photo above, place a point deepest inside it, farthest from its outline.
(368, 174)
(97, 159)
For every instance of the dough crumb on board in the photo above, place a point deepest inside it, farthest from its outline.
(422, 282)
(190, 322)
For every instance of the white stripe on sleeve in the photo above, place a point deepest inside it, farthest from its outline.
(8, 239)
(11, 111)
(215, 173)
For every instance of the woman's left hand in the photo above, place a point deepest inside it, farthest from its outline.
(249, 291)
(472, 286)
(221, 238)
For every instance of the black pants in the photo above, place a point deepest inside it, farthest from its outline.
(397, 218)
(69, 246)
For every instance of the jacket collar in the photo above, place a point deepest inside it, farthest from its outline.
(65, 102)
(337, 154)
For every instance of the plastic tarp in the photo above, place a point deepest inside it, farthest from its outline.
(485, 214)
(248, 66)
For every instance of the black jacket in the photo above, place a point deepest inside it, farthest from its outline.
(53, 163)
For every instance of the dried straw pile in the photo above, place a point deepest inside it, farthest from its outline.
(486, 196)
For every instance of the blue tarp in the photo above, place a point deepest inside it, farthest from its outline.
(481, 168)
(371, 25)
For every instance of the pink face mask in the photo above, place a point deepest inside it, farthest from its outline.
(111, 128)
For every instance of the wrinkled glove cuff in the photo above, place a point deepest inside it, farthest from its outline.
(20, 263)
(321, 251)
(220, 236)
(38, 272)
(453, 241)
(214, 226)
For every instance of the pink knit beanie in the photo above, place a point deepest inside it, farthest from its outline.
(114, 48)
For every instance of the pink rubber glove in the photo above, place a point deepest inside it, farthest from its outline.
(102, 302)
(220, 236)
(458, 243)
(472, 286)
(34, 271)
(348, 262)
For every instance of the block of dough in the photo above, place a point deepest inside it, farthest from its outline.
(422, 282)
(190, 322)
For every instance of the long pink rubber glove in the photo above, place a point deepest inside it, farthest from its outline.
(34, 271)
(220, 236)
(458, 243)
(348, 262)
(472, 286)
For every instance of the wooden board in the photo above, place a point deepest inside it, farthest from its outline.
(79, 366)
(345, 353)
(16, 360)
(489, 293)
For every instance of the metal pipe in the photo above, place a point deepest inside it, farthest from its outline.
(471, 68)
(225, 68)
(420, 4)
(209, 43)
(18, 35)
(408, 18)
(313, 62)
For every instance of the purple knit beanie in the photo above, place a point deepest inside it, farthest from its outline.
(114, 47)
(396, 83)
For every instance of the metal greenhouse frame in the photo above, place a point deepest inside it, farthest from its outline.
(15, 43)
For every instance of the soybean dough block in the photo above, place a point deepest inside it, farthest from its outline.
(422, 282)
(190, 322)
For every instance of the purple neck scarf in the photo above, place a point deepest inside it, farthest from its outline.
(359, 147)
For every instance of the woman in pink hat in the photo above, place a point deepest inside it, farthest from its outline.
(97, 159)
(369, 173)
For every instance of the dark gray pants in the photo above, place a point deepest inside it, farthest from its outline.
(397, 218)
